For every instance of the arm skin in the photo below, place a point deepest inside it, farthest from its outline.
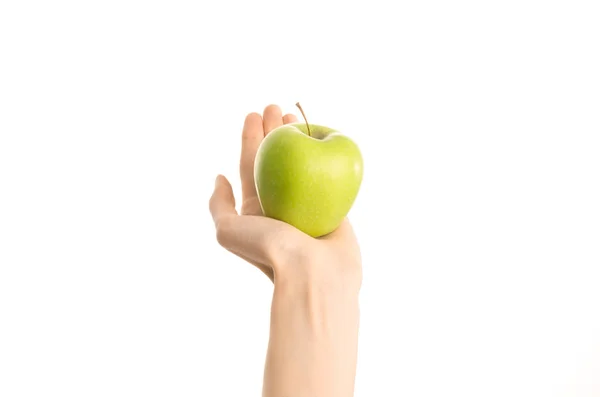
(313, 344)
(314, 313)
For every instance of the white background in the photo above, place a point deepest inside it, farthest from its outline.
(478, 216)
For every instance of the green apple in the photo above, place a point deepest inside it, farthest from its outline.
(308, 176)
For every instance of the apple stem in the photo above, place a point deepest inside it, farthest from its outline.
(303, 115)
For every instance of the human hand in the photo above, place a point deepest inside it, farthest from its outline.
(314, 312)
(278, 249)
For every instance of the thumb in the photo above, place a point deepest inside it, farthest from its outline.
(222, 201)
(222, 209)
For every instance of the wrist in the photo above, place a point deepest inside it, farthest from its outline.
(316, 280)
(317, 288)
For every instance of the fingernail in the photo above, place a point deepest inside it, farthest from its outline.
(217, 180)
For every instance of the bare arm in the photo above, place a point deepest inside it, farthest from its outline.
(312, 348)
(314, 313)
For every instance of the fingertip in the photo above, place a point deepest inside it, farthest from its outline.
(222, 201)
(272, 118)
(253, 128)
(213, 196)
(253, 117)
(221, 180)
(271, 109)
(289, 118)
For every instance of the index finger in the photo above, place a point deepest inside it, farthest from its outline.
(252, 135)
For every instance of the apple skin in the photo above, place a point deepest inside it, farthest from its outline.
(309, 182)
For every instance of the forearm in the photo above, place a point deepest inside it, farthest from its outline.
(313, 343)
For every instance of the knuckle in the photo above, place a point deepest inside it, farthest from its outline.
(211, 202)
(222, 232)
(221, 236)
